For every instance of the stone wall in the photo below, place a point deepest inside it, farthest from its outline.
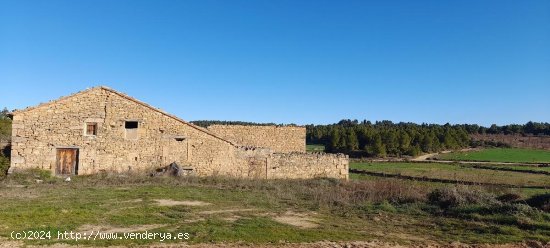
(38, 133)
(262, 163)
(308, 165)
(162, 138)
(277, 138)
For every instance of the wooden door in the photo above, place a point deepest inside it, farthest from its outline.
(67, 161)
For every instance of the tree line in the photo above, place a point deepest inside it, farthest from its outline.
(529, 128)
(378, 139)
(385, 138)
(205, 123)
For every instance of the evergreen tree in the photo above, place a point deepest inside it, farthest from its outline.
(335, 141)
(352, 143)
(4, 114)
(404, 141)
(426, 144)
(379, 149)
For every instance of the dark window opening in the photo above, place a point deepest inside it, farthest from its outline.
(131, 124)
(131, 128)
(91, 129)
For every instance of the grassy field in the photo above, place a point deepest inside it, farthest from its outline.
(500, 155)
(510, 167)
(455, 172)
(315, 148)
(218, 210)
(4, 165)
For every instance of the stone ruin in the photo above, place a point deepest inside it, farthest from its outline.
(101, 129)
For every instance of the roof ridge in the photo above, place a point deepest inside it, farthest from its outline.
(204, 130)
(128, 98)
(18, 111)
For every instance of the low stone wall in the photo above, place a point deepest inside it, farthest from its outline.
(308, 165)
(277, 138)
(262, 163)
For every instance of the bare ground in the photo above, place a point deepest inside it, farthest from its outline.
(297, 220)
(321, 244)
(112, 229)
(169, 203)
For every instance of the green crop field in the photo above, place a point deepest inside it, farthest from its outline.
(504, 167)
(456, 172)
(516, 155)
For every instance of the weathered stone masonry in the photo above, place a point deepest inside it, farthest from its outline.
(39, 133)
(278, 138)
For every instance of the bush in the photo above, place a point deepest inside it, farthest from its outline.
(541, 202)
(509, 197)
(455, 196)
(4, 165)
(31, 176)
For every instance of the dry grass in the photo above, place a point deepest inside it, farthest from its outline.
(260, 211)
(318, 193)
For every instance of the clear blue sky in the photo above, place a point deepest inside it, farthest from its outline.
(293, 61)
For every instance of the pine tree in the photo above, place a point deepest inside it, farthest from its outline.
(379, 149)
(334, 141)
(426, 143)
(404, 141)
(352, 143)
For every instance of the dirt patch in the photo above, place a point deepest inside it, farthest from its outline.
(111, 229)
(424, 157)
(169, 203)
(232, 218)
(193, 220)
(227, 211)
(430, 155)
(404, 237)
(296, 219)
(229, 215)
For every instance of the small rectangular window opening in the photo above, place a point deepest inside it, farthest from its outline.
(91, 129)
(131, 128)
(131, 124)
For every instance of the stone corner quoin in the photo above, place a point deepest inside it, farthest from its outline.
(100, 129)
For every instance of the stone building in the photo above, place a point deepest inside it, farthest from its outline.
(101, 129)
(278, 138)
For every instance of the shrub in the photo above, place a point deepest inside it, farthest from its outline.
(31, 176)
(4, 165)
(509, 197)
(541, 202)
(455, 196)
(386, 206)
